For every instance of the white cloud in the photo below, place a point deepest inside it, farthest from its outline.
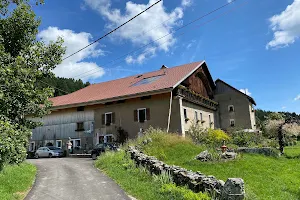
(286, 26)
(186, 3)
(283, 107)
(148, 53)
(190, 44)
(147, 27)
(297, 98)
(246, 91)
(74, 65)
(229, 1)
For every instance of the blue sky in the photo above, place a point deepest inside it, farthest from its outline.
(252, 45)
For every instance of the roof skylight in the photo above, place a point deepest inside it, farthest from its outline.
(147, 80)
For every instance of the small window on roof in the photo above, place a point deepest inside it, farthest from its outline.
(146, 80)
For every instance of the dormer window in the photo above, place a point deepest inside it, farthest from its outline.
(230, 108)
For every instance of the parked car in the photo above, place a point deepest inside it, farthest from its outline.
(102, 147)
(57, 150)
(48, 152)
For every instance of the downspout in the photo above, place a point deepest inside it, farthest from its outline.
(170, 111)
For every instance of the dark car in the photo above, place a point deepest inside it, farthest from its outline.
(102, 147)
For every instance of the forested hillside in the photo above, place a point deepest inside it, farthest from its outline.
(262, 115)
(64, 85)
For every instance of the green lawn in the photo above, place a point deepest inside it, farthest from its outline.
(16, 180)
(138, 182)
(265, 177)
(292, 151)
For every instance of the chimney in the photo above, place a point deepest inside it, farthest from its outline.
(164, 67)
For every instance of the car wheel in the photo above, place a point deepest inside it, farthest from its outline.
(94, 156)
(50, 155)
(36, 156)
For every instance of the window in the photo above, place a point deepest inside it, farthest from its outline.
(108, 119)
(58, 143)
(120, 101)
(147, 80)
(209, 119)
(232, 122)
(80, 126)
(142, 115)
(196, 116)
(231, 108)
(80, 108)
(184, 113)
(145, 97)
(77, 143)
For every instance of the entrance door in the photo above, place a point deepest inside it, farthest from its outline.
(101, 139)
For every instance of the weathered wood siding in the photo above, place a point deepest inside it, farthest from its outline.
(61, 125)
(198, 82)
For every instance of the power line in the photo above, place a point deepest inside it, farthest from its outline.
(224, 13)
(202, 24)
(54, 87)
(136, 50)
(112, 30)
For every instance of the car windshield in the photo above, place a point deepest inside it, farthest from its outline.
(54, 148)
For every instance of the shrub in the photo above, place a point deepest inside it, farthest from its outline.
(211, 137)
(181, 193)
(13, 142)
(246, 139)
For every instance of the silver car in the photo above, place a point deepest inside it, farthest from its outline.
(48, 152)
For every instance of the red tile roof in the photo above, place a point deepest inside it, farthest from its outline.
(123, 87)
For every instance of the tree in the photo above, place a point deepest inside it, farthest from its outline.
(64, 86)
(23, 62)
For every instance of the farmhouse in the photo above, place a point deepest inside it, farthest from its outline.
(169, 98)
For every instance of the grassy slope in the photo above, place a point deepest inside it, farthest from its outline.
(131, 180)
(265, 177)
(292, 151)
(136, 181)
(16, 180)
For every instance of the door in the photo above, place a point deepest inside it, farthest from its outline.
(72, 146)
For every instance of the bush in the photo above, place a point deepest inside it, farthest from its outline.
(245, 139)
(210, 137)
(181, 193)
(13, 142)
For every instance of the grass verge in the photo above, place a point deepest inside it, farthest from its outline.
(265, 177)
(16, 180)
(292, 151)
(139, 183)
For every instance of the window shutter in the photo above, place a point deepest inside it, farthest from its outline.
(113, 116)
(148, 113)
(103, 119)
(135, 115)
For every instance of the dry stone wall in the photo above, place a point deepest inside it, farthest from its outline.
(232, 189)
(267, 151)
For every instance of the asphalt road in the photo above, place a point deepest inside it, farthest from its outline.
(72, 179)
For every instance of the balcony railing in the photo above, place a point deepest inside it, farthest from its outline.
(196, 98)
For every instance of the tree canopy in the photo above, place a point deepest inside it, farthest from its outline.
(63, 86)
(24, 61)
